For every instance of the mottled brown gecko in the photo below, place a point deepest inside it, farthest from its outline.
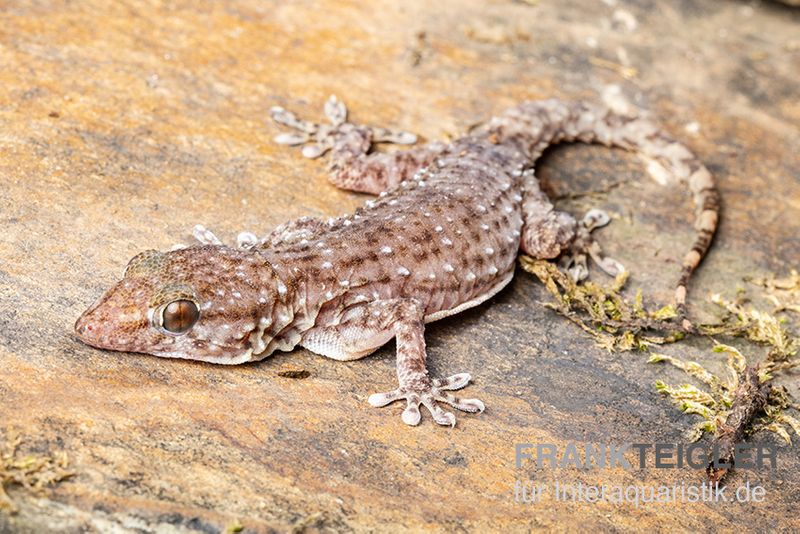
(442, 236)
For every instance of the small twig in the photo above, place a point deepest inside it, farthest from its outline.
(749, 399)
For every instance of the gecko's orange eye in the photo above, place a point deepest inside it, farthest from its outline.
(179, 316)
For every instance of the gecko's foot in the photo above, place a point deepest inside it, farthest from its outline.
(205, 236)
(320, 138)
(429, 395)
(245, 240)
(575, 261)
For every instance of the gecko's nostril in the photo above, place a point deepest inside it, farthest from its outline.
(82, 327)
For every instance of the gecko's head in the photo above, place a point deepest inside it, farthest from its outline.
(209, 303)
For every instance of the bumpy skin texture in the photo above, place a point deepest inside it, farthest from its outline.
(442, 236)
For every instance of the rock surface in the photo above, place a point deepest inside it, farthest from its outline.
(122, 125)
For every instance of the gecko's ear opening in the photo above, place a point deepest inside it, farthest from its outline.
(145, 263)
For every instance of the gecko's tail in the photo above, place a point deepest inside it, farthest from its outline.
(668, 160)
(707, 203)
(535, 125)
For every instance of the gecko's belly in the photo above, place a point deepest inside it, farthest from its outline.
(478, 299)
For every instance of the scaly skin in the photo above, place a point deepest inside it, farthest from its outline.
(443, 236)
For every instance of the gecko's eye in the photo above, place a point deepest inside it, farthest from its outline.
(179, 316)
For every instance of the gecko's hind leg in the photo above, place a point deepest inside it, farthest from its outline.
(352, 166)
(548, 233)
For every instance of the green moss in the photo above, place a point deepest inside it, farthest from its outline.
(616, 324)
(234, 527)
(603, 312)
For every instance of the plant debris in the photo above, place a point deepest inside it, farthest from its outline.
(293, 371)
(731, 407)
(311, 520)
(729, 410)
(32, 472)
(784, 293)
(602, 311)
(234, 527)
(760, 327)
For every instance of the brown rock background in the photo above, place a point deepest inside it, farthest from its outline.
(124, 124)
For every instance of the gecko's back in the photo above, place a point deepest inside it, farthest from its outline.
(445, 238)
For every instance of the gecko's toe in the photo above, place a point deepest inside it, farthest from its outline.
(379, 400)
(411, 415)
(291, 138)
(313, 151)
(452, 383)
(398, 137)
(205, 236)
(335, 111)
(440, 416)
(610, 266)
(594, 219)
(465, 405)
(246, 240)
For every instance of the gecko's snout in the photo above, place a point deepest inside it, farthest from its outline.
(100, 328)
(81, 327)
(87, 329)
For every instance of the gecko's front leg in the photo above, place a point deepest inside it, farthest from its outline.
(415, 386)
(353, 165)
(359, 330)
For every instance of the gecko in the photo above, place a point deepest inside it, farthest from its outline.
(441, 235)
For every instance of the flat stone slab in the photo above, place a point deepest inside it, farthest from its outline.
(123, 126)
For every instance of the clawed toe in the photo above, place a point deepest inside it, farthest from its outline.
(397, 137)
(411, 415)
(452, 383)
(246, 240)
(440, 416)
(336, 111)
(594, 219)
(429, 397)
(378, 400)
(465, 405)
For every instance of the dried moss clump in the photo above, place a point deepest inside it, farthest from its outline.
(32, 472)
(732, 407)
(602, 311)
(746, 401)
(760, 327)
